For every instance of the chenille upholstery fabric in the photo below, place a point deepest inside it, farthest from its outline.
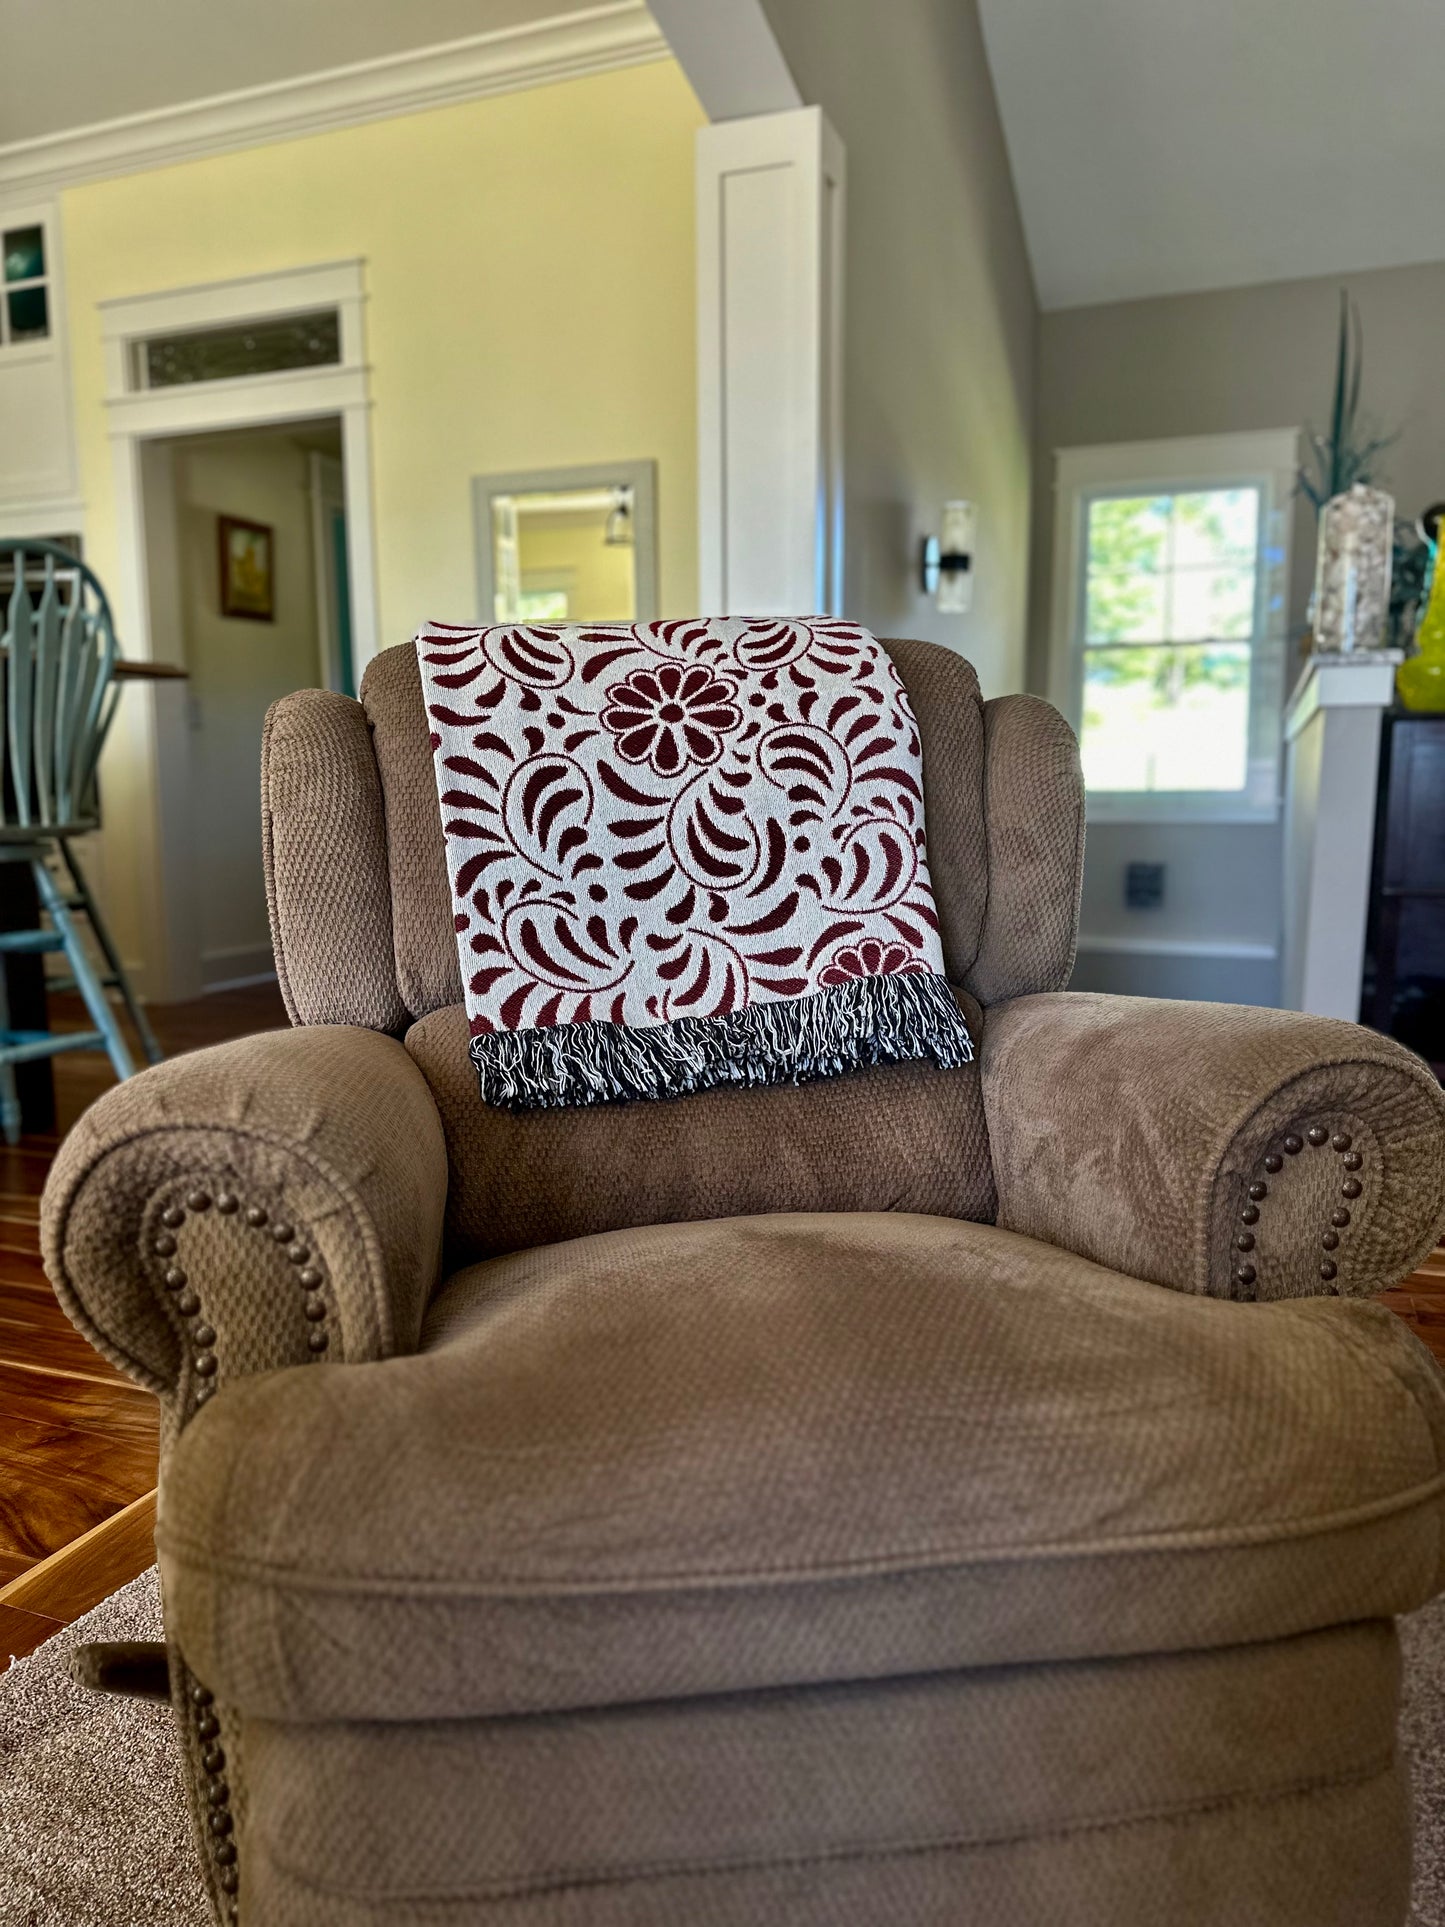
(323, 832)
(1052, 1794)
(905, 1137)
(328, 1131)
(716, 1517)
(428, 974)
(1129, 1129)
(1034, 812)
(1326, 1857)
(587, 1422)
(943, 691)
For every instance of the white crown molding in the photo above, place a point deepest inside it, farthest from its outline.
(596, 40)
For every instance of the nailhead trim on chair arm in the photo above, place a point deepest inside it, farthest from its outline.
(219, 1826)
(1318, 1136)
(195, 1703)
(199, 1333)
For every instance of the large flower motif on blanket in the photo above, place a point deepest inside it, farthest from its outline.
(671, 716)
(869, 959)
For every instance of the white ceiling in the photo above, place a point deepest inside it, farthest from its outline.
(72, 63)
(1161, 146)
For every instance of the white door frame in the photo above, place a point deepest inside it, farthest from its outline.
(137, 415)
(326, 483)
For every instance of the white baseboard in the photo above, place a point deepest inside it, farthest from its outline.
(1241, 949)
(234, 965)
(239, 983)
(1224, 971)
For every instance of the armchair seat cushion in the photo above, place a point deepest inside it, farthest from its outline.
(746, 1453)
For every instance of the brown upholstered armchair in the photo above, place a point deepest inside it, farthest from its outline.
(924, 1496)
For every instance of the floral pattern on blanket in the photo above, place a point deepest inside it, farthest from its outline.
(677, 819)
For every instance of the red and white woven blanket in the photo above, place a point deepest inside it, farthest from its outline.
(683, 854)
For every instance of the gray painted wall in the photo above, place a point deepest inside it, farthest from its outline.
(1204, 364)
(940, 314)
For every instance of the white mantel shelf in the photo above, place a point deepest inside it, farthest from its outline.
(1332, 756)
(1361, 679)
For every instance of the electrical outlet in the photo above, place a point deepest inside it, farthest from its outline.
(1143, 886)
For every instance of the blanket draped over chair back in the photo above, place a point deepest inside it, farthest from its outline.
(683, 854)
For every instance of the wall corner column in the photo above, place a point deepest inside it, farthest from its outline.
(771, 195)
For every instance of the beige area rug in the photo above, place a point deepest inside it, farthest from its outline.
(93, 1830)
(93, 1826)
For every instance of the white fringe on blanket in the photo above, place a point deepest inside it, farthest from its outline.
(868, 1020)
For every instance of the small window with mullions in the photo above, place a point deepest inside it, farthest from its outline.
(25, 309)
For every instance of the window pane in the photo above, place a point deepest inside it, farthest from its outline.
(28, 314)
(1166, 719)
(1128, 531)
(257, 348)
(1128, 538)
(1214, 526)
(24, 253)
(1205, 603)
(1124, 607)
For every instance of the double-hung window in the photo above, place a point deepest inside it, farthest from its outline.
(1170, 622)
(25, 298)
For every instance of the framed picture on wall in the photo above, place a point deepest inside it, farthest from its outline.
(248, 568)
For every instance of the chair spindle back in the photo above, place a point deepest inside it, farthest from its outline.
(57, 661)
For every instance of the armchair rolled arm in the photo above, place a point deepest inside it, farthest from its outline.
(1216, 1148)
(268, 1202)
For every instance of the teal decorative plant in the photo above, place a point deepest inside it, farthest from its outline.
(1345, 455)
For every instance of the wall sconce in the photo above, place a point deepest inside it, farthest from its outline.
(946, 562)
(617, 532)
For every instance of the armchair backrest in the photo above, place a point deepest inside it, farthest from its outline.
(356, 876)
(362, 924)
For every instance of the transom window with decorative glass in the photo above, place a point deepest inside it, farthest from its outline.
(274, 345)
(25, 309)
(1170, 622)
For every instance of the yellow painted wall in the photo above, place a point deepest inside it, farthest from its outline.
(558, 550)
(530, 271)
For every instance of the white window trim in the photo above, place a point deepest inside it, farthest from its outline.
(1264, 459)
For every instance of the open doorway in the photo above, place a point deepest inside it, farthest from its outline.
(246, 563)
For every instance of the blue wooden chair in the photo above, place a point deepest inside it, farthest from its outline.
(57, 661)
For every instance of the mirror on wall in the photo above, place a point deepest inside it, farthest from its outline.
(567, 544)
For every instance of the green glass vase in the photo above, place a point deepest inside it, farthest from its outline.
(1421, 678)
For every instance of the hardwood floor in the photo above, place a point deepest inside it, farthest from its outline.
(77, 1440)
(1420, 1301)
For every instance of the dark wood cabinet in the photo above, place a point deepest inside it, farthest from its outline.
(1404, 984)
